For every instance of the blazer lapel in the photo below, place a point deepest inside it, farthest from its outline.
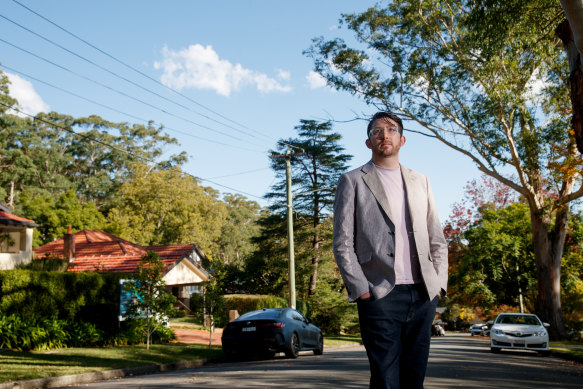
(409, 182)
(373, 181)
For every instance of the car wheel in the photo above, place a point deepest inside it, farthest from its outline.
(320, 349)
(495, 350)
(293, 349)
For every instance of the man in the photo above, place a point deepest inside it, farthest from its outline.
(392, 255)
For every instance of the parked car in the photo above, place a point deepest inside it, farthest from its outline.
(272, 330)
(522, 331)
(479, 330)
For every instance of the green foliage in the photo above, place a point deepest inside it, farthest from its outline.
(54, 216)
(89, 297)
(314, 174)
(44, 153)
(48, 263)
(235, 242)
(330, 309)
(266, 271)
(242, 303)
(498, 259)
(247, 303)
(151, 303)
(572, 275)
(39, 334)
(488, 79)
(161, 206)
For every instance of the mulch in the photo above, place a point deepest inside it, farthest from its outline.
(194, 336)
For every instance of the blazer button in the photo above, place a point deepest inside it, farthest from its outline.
(391, 233)
(391, 254)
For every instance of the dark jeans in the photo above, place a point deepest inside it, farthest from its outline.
(396, 332)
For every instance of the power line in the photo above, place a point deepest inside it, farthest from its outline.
(122, 112)
(120, 92)
(120, 77)
(140, 72)
(118, 149)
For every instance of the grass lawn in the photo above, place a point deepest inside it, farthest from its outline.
(341, 340)
(15, 366)
(564, 347)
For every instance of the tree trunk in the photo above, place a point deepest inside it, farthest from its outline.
(315, 260)
(564, 32)
(548, 251)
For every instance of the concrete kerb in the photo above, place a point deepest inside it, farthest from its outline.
(85, 378)
(566, 356)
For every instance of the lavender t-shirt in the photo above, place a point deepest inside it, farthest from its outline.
(406, 271)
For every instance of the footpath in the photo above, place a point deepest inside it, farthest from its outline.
(183, 335)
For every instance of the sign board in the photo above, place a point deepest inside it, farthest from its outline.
(126, 297)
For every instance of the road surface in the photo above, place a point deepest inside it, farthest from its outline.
(456, 361)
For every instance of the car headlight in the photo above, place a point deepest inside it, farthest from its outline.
(540, 333)
(499, 332)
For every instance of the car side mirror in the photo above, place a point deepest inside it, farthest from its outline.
(546, 325)
(490, 322)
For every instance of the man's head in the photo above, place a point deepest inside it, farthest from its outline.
(383, 115)
(385, 138)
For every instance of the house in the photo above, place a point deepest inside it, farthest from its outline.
(15, 239)
(99, 251)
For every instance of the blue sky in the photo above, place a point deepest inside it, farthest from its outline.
(238, 66)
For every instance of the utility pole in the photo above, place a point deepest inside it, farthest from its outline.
(290, 226)
(290, 233)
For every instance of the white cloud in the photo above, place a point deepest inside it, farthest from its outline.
(315, 80)
(201, 68)
(28, 100)
(283, 74)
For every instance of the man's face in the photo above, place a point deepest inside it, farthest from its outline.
(385, 140)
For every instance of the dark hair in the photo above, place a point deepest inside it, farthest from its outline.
(383, 115)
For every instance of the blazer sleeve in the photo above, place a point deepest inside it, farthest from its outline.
(343, 239)
(437, 242)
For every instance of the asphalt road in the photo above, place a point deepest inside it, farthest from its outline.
(456, 361)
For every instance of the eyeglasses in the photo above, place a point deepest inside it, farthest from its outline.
(379, 132)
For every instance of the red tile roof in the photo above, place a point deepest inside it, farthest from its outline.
(99, 251)
(6, 218)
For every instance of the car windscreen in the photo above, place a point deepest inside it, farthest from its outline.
(257, 315)
(518, 319)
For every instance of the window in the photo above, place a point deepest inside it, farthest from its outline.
(10, 241)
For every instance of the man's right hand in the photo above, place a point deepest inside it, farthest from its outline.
(365, 296)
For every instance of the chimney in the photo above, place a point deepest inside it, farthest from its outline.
(69, 249)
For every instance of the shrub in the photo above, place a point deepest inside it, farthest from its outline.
(21, 334)
(92, 297)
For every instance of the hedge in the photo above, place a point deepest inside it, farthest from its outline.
(244, 303)
(86, 297)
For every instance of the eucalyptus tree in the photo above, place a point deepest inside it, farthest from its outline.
(316, 160)
(52, 152)
(158, 206)
(489, 80)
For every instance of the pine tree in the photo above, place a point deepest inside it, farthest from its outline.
(317, 160)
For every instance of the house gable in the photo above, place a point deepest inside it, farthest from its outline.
(15, 239)
(184, 272)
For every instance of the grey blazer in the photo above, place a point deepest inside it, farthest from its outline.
(364, 235)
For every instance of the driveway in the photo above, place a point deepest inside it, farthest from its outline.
(197, 336)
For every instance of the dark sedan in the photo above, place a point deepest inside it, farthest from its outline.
(272, 330)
